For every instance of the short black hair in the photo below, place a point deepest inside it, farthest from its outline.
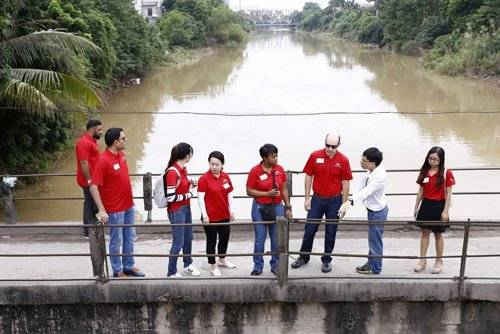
(217, 155)
(267, 149)
(111, 135)
(92, 123)
(373, 154)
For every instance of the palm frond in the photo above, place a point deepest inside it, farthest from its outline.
(25, 96)
(26, 49)
(57, 84)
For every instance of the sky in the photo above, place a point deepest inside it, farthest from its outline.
(276, 4)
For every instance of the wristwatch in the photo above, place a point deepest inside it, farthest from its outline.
(288, 207)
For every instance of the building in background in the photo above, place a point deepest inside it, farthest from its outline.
(150, 9)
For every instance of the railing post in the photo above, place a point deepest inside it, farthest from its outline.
(98, 256)
(289, 183)
(283, 237)
(461, 278)
(7, 196)
(147, 189)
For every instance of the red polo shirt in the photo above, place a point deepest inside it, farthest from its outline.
(86, 150)
(328, 173)
(216, 191)
(172, 179)
(259, 179)
(434, 192)
(112, 178)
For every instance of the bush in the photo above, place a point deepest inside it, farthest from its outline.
(370, 30)
(179, 29)
(431, 28)
(411, 48)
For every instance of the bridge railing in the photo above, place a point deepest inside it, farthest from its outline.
(99, 256)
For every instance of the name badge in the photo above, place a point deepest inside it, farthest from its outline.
(263, 177)
(116, 166)
(225, 186)
(320, 160)
(425, 180)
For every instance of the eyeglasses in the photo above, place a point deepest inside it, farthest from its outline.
(433, 159)
(122, 139)
(331, 146)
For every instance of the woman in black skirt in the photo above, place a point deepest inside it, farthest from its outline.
(432, 205)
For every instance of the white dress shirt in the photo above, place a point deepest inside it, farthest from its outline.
(370, 189)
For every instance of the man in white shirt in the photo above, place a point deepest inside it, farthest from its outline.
(371, 192)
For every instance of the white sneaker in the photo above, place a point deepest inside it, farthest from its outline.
(226, 264)
(176, 275)
(215, 271)
(191, 270)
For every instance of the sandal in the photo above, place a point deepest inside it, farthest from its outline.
(438, 267)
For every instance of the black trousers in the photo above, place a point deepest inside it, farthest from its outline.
(89, 210)
(212, 230)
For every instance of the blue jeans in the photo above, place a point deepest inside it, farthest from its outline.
(328, 206)
(121, 237)
(182, 238)
(261, 231)
(375, 234)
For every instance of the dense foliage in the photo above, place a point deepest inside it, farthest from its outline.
(456, 36)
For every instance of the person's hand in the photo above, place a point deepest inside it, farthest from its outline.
(194, 182)
(102, 216)
(415, 213)
(205, 220)
(343, 209)
(307, 204)
(444, 216)
(231, 217)
(288, 213)
(273, 193)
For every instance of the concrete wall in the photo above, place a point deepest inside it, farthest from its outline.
(243, 306)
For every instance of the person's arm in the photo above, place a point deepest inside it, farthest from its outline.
(203, 209)
(445, 215)
(418, 200)
(373, 186)
(308, 180)
(259, 193)
(286, 198)
(345, 190)
(173, 180)
(102, 215)
(230, 199)
(84, 164)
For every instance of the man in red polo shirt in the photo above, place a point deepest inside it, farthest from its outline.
(112, 193)
(87, 154)
(328, 172)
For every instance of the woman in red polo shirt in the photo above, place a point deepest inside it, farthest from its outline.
(432, 204)
(179, 209)
(266, 183)
(214, 199)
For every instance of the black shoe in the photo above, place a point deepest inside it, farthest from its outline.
(120, 274)
(299, 263)
(256, 272)
(134, 272)
(326, 267)
(364, 267)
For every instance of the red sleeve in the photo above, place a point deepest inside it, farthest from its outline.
(309, 167)
(82, 151)
(347, 175)
(172, 178)
(252, 179)
(450, 178)
(202, 184)
(98, 173)
(284, 174)
(230, 184)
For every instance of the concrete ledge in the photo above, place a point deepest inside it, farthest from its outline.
(242, 291)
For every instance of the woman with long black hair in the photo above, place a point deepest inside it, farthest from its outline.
(433, 204)
(179, 210)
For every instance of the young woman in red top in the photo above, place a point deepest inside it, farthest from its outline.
(432, 204)
(179, 209)
(214, 199)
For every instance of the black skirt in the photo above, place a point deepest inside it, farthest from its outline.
(431, 211)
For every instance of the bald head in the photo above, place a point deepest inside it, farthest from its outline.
(332, 138)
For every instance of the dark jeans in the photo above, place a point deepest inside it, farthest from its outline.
(321, 206)
(89, 210)
(212, 230)
(182, 238)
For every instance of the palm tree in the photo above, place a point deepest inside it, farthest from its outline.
(36, 74)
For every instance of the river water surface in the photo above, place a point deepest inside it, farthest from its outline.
(288, 75)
